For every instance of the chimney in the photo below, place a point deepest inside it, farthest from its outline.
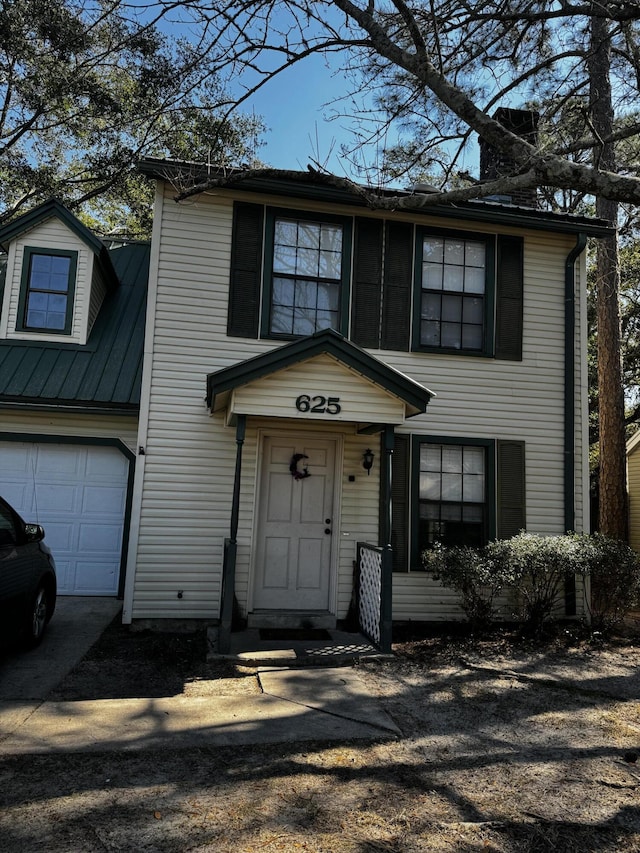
(494, 164)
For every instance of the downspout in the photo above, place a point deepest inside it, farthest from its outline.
(570, 382)
(570, 408)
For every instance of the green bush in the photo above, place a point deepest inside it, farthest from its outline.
(614, 571)
(472, 574)
(535, 568)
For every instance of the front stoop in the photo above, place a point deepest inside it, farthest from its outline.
(248, 648)
(294, 619)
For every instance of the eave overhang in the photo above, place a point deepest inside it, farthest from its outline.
(310, 186)
(222, 383)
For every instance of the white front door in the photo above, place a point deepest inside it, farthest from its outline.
(295, 527)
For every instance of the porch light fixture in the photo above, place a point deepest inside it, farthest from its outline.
(367, 460)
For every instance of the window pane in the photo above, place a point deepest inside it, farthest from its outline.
(306, 295)
(284, 259)
(451, 308)
(281, 320)
(474, 280)
(304, 323)
(38, 301)
(433, 250)
(452, 459)
(41, 280)
(472, 337)
(55, 321)
(452, 487)
(283, 290)
(430, 457)
(473, 460)
(451, 335)
(474, 254)
(307, 261)
(331, 238)
(60, 265)
(472, 513)
(430, 486)
(453, 278)
(41, 263)
(431, 306)
(432, 276)
(454, 252)
(330, 265)
(329, 297)
(430, 333)
(472, 310)
(286, 233)
(451, 512)
(326, 320)
(36, 319)
(473, 488)
(57, 303)
(308, 235)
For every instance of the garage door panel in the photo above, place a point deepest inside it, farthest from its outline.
(78, 494)
(60, 537)
(56, 497)
(99, 537)
(60, 460)
(103, 466)
(104, 501)
(96, 578)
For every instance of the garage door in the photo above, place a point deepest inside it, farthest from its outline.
(78, 493)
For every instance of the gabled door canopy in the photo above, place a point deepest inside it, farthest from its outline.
(411, 394)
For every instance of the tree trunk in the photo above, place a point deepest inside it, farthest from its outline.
(612, 476)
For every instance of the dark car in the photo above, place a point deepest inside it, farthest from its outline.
(27, 579)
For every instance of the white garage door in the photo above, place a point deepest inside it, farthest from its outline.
(78, 493)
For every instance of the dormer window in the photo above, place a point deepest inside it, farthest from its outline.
(46, 294)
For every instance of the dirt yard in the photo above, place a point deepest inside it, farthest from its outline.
(506, 746)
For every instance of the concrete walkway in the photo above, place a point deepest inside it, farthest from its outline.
(296, 705)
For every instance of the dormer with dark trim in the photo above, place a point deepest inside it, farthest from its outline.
(57, 276)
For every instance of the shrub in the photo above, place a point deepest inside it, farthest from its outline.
(538, 567)
(614, 570)
(471, 573)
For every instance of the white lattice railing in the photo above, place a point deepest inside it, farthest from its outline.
(369, 590)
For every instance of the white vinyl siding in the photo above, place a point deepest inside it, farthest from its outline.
(184, 501)
(20, 422)
(360, 401)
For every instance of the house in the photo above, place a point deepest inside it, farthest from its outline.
(324, 385)
(633, 489)
(72, 315)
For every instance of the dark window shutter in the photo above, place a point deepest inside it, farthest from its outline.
(396, 300)
(400, 504)
(512, 515)
(509, 296)
(246, 270)
(367, 281)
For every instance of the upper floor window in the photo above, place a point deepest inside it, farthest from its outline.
(455, 278)
(306, 275)
(48, 284)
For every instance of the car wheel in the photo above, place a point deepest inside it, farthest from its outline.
(37, 617)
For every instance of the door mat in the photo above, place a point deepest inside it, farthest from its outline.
(293, 634)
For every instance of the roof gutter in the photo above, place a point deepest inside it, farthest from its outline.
(570, 382)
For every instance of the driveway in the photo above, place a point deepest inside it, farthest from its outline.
(77, 623)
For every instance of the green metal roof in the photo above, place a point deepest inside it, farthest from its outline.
(103, 375)
(329, 342)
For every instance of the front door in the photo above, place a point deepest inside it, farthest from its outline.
(293, 547)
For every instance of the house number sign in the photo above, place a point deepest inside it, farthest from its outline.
(318, 405)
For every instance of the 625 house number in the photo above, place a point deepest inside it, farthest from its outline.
(318, 405)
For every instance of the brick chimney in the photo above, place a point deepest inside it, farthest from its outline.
(494, 164)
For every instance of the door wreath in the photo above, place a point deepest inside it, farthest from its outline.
(296, 473)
